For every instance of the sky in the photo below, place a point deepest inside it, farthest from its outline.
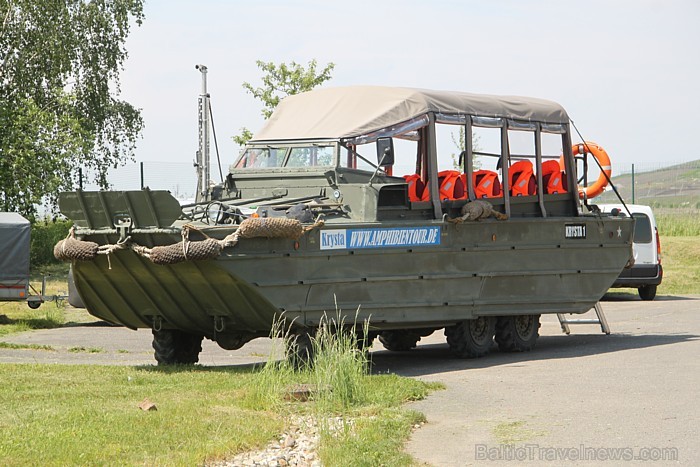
(626, 71)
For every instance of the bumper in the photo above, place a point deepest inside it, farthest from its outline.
(638, 276)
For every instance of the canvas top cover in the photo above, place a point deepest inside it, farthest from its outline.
(346, 112)
(15, 233)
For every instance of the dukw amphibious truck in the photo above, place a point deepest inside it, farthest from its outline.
(424, 210)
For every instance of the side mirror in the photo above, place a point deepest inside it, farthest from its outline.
(385, 152)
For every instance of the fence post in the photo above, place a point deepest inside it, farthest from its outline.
(632, 183)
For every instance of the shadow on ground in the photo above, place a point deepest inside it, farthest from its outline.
(436, 358)
(634, 297)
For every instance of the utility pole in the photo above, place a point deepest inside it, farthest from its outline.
(202, 163)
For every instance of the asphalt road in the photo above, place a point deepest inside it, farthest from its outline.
(585, 398)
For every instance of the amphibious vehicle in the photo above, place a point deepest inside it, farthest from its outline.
(347, 202)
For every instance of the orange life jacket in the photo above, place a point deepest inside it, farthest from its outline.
(451, 185)
(416, 188)
(486, 184)
(553, 177)
(522, 179)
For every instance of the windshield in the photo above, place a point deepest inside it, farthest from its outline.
(295, 156)
(262, 157)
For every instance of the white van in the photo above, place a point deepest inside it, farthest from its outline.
(646, 274)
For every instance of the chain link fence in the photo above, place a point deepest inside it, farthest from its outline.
(662, 186)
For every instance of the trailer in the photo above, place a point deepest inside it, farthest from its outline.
(15, 238)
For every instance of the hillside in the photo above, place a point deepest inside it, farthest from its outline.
(676, 186)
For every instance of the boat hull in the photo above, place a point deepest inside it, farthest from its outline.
(488, 268)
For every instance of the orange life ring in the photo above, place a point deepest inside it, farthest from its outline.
(603, 159)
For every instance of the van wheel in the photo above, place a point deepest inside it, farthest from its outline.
(647, 292)
(399, 341)
(517, 333)
(173, 347)
(472, 338)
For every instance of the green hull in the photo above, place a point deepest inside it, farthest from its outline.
(521, 266)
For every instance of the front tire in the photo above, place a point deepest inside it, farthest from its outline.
(517, 333)
(647, 292)
(472, 338)
(175, 347)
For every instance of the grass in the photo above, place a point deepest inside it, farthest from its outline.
(67, 415)
(18, 317)
(375, 427)
(678, 223)
(514, 432)
(9, 345)
(81, 349)
(680, 258)
(61, 415)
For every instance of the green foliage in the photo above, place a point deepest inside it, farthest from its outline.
(280, 81)
(45, 234)
(459, 142)
(58, 61)
(244, 137)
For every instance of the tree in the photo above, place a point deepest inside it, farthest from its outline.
(59, 71)
(459, 142)
(280, 81)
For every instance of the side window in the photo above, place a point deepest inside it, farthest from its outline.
(521, 168)
(642, 228)
(404, 157)
(553, 176)
(487, 171)
(452, 183)
(311, 156)
(357, 160)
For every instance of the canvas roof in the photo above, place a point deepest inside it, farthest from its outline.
(345, 112)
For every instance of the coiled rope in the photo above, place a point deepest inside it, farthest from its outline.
(72, 249)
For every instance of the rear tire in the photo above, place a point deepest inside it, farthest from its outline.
(300, 350)
(364, 342)
(472, 338)
(175, 347)
(399, 341)
(647, 292)
(517, 333)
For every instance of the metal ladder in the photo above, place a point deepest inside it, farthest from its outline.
(564, 322)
